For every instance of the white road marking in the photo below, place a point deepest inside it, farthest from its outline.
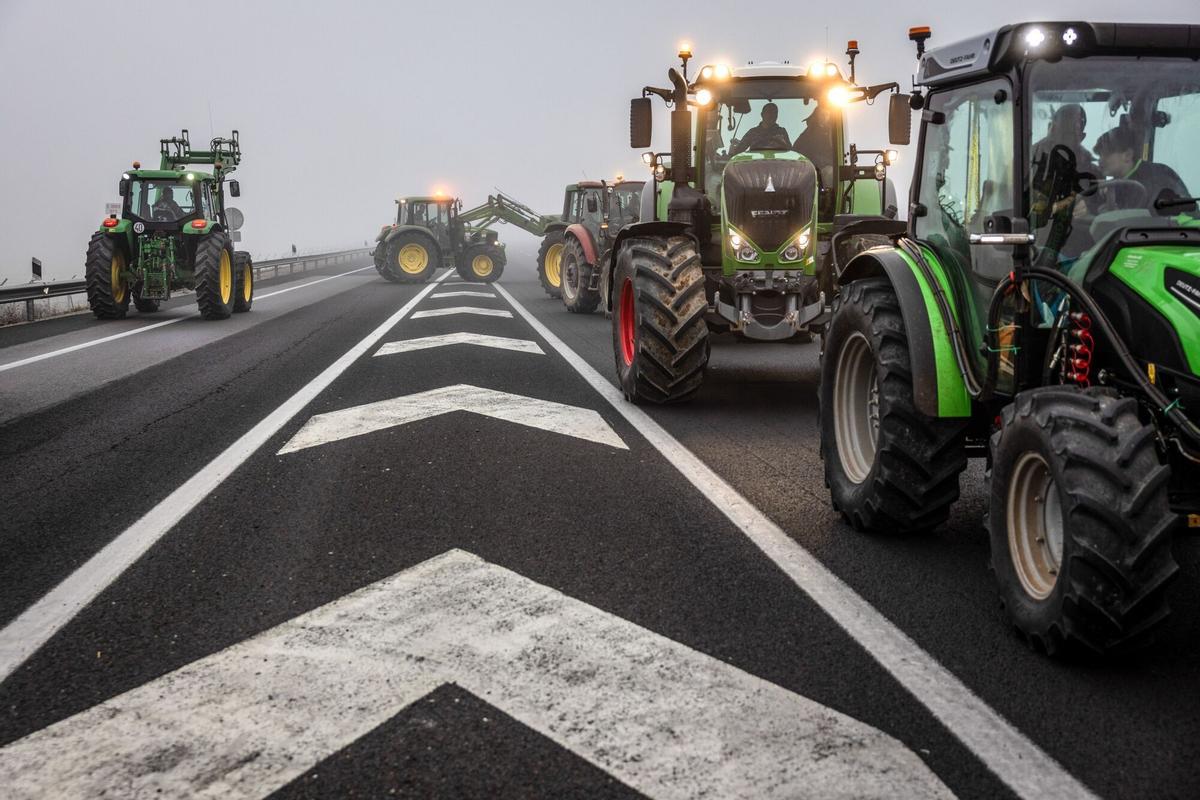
(436, 295)
(662, 718)
(481, 339)
(446, 312)
(84, 345)
(22, 637)
(581, 423)
(1023, 766)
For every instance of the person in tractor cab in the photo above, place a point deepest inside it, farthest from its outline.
(768, 134)
(1117, 151)
(1067, 126)
(166, 207)
(816, 144)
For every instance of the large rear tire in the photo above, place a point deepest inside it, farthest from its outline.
(243, 268)
(1079, 521)
(889, 468)
(549, 263)
(481, 263)
(412, 257)
(660, 341)
(215, 279)
(105, 273)
(576, 275)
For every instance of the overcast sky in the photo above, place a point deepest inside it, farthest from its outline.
(344, 106)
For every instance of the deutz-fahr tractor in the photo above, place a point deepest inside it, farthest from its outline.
(593, 213)
(1041, 311)
(740, 240)
(582, 204)
(174, 233)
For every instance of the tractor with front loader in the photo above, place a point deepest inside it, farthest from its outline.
(1041, 311)
(174, 232)
(741, 241)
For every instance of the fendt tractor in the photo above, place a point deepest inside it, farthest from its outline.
(741, 240)
(174, 232)
(593, 213)
(1042, 311)
(431, 232)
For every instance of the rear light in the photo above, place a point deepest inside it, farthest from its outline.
(111, 222)
(199, 223)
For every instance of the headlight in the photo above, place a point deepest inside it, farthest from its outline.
(747, 253)
(791, 254)
(799, 246)
(703, 97)
(742, 250)
(660, 173)
(1034, 37)
(735, 240)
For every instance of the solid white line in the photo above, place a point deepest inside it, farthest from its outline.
(662, 718)
(448, 312)
(84, 345)
(1024, 767)
(34, 627)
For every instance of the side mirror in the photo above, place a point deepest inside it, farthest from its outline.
(640, 122)
(234, 189)
(123, 187)
(899, 119)
(592, 205)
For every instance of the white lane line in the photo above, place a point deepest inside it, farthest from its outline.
(462, 337)
(582, 423)
(34, 627)
(436, 295)
(1023, 766)
(660, 717)
(84, 345)
(447, 312)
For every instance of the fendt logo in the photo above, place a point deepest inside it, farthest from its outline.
(759, 213)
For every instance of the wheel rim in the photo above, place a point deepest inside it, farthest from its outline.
(247, 283)
(856, 408)
(1035, 525)
(117, 276)
(481, 265)
(554, 265)
(413, 258)
(226, 271)
(570, 277)
(626, 322)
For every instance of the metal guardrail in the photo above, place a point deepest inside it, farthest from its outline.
(31, 292)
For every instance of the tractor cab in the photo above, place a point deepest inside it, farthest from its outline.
(167, 197)
(431, 213)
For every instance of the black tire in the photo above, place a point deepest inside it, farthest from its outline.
(1109, 492)
(146, 305)
(243, 279)
(481, 263)
(214, 276)
(412, 257)
(660, 341)
(108, 290)
(576, 274)
(551, 250)
(910, 480)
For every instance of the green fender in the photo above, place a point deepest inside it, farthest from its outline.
(938, 386)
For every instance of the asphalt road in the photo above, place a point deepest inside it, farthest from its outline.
(578, 599)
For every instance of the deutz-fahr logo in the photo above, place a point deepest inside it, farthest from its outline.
(1184, 287)
(758, 213)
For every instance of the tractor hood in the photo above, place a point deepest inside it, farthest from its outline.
(769, 197)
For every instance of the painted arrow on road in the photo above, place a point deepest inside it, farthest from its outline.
(582, 423)
(462, 294)
(664, 719)
(483, 340)
(446, 312)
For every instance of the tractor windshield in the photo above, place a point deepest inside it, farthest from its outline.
(1112, 143)
(627, 204)
(762, 115)
(427, 214)
(162, 200)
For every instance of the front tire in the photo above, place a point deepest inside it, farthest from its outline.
(660, 341)
(576, 275)
(412, 257)
(889, 468)
(105, 271)
(1079, 521)
(243, 295)
(481, 264)
(549, 264)
(214, 276)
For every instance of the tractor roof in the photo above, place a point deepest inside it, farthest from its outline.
(168, 174)
(996, 50)
(426, 199)
(769, 69)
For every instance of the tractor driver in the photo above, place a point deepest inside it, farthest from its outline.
(816, 144)
(768, 134)
(166, 206)
(1116, 150)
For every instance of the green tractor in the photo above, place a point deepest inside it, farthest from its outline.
(174, 232)
(1042, 311)
(741, 241)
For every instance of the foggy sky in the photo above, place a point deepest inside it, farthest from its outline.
(342, 107)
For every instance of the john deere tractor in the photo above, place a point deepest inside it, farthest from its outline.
(1040, 311)
(740, 240)
(174, 232)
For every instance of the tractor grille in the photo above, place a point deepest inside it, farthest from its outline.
(771, 199)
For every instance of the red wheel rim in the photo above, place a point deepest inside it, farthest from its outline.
(626, 322)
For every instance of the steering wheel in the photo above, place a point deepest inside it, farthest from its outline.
(1137, 191)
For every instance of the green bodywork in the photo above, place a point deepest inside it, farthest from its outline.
(1143, 270)
(773, 259)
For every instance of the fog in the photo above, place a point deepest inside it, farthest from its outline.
(343, 107)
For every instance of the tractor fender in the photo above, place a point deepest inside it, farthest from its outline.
(554, 227)
(399, 229)
(585, 240)
(633, 230)
(938, 386)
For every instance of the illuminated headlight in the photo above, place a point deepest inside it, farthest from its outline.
(742, 250)
(735, 240)
(723, 71)
(660, 173)
(799, 246)
(891, 156)
(703, 97)
(125, 176)
(747, 253)
(706, 73)
(1034, 37)
(647, 158)
(191, 177)
(1069, 37)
